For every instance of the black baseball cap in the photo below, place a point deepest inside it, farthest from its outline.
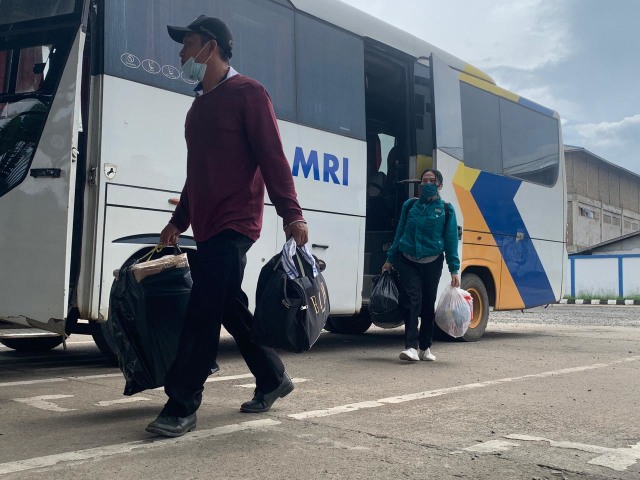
(209, 26)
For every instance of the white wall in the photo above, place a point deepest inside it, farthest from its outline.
(601, 275)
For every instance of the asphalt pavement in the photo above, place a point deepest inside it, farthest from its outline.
(546, 394)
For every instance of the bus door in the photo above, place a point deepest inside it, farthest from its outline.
(40, 60)
(447, 132)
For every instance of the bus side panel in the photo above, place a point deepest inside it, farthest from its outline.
(511, 209)
(343, 258)
(142, 138)
(122, 223)
(330, 176)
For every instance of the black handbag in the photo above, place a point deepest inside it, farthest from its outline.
(290, 312)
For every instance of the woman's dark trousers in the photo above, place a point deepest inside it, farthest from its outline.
(215, 300)
(418, 290)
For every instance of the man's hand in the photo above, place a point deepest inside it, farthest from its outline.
(455, 280)
(298, 230)
(386, 267)
(169, 235)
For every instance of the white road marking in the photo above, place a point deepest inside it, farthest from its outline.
(122, 448)
(253, 385)
(42, 402)
(446, 391)
(492, 446)
(94, 377)
(106, 403)
(107, 375)
(229, 377)
(33, 382)
(618, 459)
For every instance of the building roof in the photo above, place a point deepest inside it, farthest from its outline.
(590, 250)
(572, 148)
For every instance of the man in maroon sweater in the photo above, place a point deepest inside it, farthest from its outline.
(234, 150)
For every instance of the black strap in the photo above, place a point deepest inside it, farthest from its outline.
(447, 215)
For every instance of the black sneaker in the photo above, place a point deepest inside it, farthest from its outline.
(261, 402)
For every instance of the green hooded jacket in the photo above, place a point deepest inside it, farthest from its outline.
(423, 231)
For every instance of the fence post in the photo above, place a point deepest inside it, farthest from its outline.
(620, 277)
(573, 277)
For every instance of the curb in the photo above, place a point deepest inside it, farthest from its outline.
(597, 301)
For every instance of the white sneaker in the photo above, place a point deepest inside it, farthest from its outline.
(410, 354)
(426, 355)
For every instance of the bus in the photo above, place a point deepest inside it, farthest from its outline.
(92, 155)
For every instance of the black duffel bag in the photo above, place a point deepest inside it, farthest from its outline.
(290, 312)
(384, 303)
(147, 308)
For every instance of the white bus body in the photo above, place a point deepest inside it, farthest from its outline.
(117, 120)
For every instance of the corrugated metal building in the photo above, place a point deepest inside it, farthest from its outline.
(603, 199)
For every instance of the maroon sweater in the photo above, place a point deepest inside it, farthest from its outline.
(234, 149)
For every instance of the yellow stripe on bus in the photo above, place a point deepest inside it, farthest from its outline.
(501, 92)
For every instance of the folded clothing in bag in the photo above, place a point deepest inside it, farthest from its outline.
(147, 308)
(292, 301)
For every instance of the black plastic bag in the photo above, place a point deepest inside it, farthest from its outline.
(290, 313)
(384, 304)
(147, 308)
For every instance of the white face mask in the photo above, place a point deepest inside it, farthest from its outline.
(194, 70)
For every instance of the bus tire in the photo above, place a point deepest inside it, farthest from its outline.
(353, 325)
(480, 316)
(35, 344)
(97, 332)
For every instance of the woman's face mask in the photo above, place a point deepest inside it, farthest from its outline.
(193, 70)
(428, 190)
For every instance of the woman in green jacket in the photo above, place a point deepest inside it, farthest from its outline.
(426, 235)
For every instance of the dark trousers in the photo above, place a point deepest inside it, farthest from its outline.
(216, 299)
(418, 290)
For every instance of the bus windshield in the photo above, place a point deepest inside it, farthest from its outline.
(29, 76)
(15, 11)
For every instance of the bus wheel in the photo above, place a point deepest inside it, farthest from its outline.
(480, 316)
(35, 344)
(97, 332)
(353, 325)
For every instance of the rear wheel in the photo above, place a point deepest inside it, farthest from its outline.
(480, 315)
(353, 325)
(97, 332)
(34, 344)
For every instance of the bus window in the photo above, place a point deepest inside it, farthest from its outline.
(330, 78)
(387, 142)
(32, 68)
(14, 11)
(138, 48)
(480, 129)
(529, 144)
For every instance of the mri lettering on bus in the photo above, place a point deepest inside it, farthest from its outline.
(333, 171)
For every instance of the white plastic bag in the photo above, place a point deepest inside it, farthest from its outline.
(454, 311)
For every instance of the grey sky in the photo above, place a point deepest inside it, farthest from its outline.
(578, 57)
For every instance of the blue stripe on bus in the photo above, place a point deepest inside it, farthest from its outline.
(534, 106)
(494, 196)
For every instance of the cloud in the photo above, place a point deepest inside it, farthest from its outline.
(525, 35)
(607, 134)
(618, 142)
